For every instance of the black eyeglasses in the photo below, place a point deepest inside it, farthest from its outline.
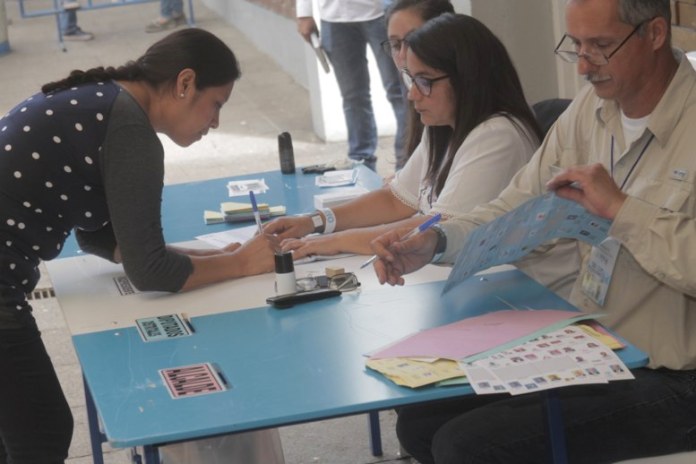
(594, 55)
(392, 46)
(423, 84)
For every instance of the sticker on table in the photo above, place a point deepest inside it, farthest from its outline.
(162, 327)
(125, 286)
(193, 380)
(243, 187)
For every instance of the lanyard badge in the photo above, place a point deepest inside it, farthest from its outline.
(600, 267)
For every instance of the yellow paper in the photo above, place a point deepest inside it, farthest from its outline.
(233, 207)
(603, 337)
(414, 374)
(213, 217)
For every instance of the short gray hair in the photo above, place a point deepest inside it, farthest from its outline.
(634, 12)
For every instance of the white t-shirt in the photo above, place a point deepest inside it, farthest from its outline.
(483, 166)
(342, 11)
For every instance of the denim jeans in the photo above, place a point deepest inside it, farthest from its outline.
(346, 46)
(655, 414)
(171, 8)
(35, 420)
(68, 22)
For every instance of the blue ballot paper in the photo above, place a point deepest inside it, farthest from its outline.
(518, 232)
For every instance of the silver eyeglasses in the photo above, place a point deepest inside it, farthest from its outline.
(423, 84)
(568, 49)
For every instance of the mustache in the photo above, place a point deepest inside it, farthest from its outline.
(594, 78)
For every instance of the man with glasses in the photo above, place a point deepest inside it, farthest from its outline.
(627, 145)
(347, 28)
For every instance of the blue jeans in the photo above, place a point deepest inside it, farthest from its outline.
(68, 22)
(171, 8)
(655, 414)
(346, 47)
(35, 420)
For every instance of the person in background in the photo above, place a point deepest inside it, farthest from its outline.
(347, 28)
(626, 142)
(402, 17)
(473, 144)
(83, 156)
(68, 24)
(171, 16)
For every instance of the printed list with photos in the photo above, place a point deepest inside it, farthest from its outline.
(564, 357)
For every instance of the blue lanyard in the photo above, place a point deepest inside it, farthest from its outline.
(642, 152)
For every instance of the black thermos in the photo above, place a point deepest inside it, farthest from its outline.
(287, 155)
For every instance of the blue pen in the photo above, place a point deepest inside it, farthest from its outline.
(255, 209)
(415, 231)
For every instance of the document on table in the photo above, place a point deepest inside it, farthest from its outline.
(564, 357)
(477, 335)
(224, 238)
(416, 373)
(517, 233)
(237, 188)
(571, 355)
(337, 178)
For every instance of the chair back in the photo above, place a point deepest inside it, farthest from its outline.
(547, 111)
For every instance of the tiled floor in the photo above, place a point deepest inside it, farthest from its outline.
(264, 103)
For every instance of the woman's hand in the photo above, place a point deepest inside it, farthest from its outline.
(290, 227)
(318, 245)
(257, 255)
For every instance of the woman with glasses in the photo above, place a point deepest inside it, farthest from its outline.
(403, 17)
(479, 132)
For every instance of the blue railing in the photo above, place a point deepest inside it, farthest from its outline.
(88, 5)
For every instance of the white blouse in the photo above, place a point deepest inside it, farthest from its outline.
(483, 166)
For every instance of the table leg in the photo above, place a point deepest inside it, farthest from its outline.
(96, 438)
(375, 435)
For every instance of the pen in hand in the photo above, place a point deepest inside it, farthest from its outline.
(415, 231)
(255, 209)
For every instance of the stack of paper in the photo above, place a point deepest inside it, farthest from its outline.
(561, 358)
(231, 211)
(505, 351)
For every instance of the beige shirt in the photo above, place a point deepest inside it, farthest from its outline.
(651, 299)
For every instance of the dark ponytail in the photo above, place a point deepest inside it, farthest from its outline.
(212, 61)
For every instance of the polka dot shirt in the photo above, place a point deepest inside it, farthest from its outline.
(52, 180)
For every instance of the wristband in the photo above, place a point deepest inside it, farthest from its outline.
(330, 223)
(441, 244)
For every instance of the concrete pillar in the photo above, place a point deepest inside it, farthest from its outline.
(4, 40)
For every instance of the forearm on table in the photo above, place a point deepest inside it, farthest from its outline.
(195, 251)
(358, 240)
(214, 269)
(372, 209)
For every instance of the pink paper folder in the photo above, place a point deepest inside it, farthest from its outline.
(478, 334)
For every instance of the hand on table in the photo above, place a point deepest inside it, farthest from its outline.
(289, 227)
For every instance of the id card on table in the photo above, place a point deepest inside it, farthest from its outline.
(597, 277)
